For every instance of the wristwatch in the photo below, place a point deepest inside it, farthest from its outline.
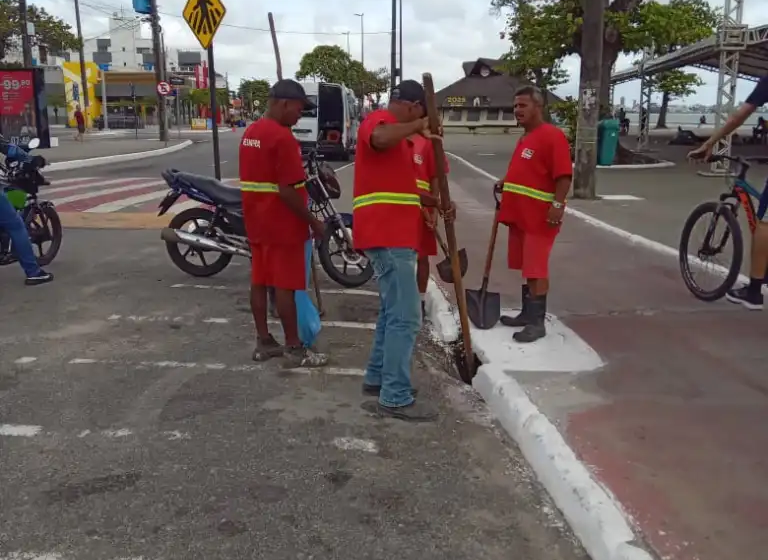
(557, 205)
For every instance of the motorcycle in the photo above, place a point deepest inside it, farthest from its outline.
(21, 181)
(221, 230)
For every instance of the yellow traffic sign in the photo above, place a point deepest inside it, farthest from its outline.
(204, 18)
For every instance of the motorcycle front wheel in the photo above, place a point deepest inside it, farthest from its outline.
(196, 220)
(44, 226)
(341, 263)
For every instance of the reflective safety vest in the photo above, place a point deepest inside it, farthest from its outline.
(387, 220)
(423, 185)
(529, 191)
(274, 188)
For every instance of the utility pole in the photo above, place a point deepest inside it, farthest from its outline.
(592, 34)
(400, 74)
(159, 62)
(362, 55)
(83, 80)
(26, 48)
(393, 47)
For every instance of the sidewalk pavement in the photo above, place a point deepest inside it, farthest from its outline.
(69, 150)
(661, 397)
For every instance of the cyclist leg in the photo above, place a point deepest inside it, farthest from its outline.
(11, 222)
(750, 295)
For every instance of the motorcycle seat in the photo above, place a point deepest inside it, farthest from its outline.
(219, 192)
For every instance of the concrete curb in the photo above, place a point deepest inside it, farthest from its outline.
(104, 160)
(630, 166)
(596, 518)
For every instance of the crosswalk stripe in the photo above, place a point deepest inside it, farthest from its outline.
(97, 184)
(94, 194)
(72, 180)
(117, 205)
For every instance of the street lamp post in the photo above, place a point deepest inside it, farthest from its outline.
(362, 38)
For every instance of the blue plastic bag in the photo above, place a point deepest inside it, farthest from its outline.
(306, 313)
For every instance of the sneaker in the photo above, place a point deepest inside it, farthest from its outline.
(746, 298)
(417, 411)
(305, 357)
(41, 277)
(266, 349)
(375, 390)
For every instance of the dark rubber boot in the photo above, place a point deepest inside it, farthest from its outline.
(522, 318)
(535, 329)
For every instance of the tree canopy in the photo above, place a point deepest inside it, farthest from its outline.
(254, 90)
(331, 63)
(51, 33)
(546, 31)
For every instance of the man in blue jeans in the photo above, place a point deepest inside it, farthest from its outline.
(12, 224)
(387, 221)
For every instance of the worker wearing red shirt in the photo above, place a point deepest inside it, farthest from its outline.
(277, 220)
(426, 181)
(387, 221)
(532, 205)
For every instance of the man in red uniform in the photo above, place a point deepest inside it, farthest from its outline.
(387, 221)
(426, 180)
(277, 220)
(532, 205)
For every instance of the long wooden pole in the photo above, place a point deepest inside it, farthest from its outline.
(466, 363)
(275, 46)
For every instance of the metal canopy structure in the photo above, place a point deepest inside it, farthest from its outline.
(734, 52)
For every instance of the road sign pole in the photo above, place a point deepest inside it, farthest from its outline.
(159, 74)
(214, 124)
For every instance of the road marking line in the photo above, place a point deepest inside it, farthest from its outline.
(19, 430)
(105, 183)
(619, 197)
(117, 205)
(166, 364)
(123, 432)
(486, 155)
(226, 320)
(338, 291)
(25, 360)
(35, 556)
(95, 194)
(344, 167)
(356, 444)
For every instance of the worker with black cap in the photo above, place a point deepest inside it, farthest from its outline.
(277, 220)
(387, 220)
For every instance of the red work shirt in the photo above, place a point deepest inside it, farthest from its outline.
(424, 160)
(270, 157)
(386, 207)
(541, 157)
(79, 118)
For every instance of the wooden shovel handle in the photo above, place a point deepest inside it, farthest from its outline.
(491, 247)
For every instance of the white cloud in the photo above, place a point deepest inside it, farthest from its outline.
(438, 35)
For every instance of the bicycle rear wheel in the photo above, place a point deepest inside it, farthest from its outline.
(716, 216)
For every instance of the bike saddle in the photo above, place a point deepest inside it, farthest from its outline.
(218, 192)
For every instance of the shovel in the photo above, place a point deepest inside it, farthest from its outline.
(444, 270)
(484, 307)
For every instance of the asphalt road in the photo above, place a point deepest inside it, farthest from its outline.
(134, 425)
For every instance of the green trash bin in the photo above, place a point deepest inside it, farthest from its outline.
(607, 141)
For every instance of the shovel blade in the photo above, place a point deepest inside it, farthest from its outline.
(445, 271)
(483, 308)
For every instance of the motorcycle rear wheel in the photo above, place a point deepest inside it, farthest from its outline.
(200, 217)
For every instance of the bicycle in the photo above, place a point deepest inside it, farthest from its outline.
(725, 210)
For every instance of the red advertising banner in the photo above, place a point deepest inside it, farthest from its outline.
(18, 106)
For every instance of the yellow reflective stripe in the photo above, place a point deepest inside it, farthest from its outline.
(423, 185)
(386, 198)
(247, 186)
(528, 191)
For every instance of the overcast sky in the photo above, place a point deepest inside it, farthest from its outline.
(438, 35)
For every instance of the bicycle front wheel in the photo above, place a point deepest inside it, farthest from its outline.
(720, 227)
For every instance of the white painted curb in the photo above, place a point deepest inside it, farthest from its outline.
(105, 160)
(626, 235)
(592, 513)
(625, 166)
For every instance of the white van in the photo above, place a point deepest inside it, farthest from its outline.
(331, 129)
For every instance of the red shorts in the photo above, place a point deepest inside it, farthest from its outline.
(278, 266)
(427, 241)
(529, 252)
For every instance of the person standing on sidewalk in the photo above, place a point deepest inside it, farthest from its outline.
(750, 295)
(12, 224)
(277, 220)
(387, 217)
(426, 180)
(80, 120)
(533, 195)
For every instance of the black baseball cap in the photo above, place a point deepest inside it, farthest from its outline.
(290, 89)
(409, 90)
